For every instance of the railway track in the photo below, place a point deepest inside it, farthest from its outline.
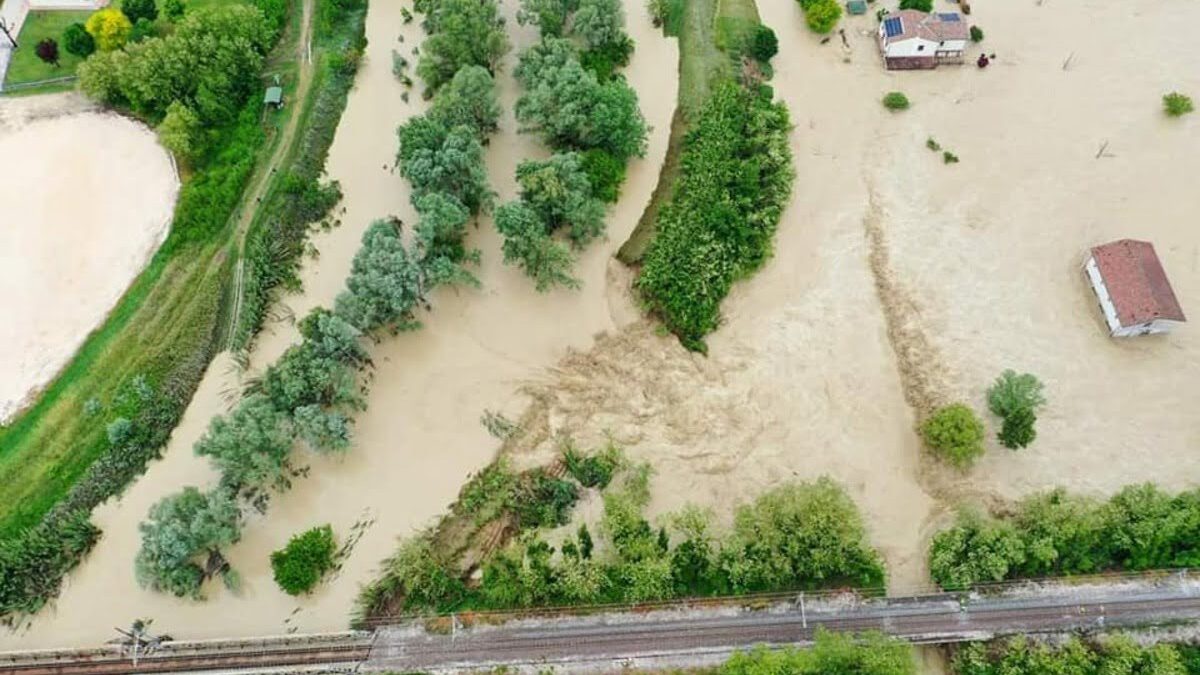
(650, 636)
(348, 649)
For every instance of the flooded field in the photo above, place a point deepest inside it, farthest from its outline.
(421, 437)
(898, 283)
(87, 199)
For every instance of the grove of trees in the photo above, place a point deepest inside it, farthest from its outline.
(574, 99)
(1057, 533)
(798, 536)
(311, 393)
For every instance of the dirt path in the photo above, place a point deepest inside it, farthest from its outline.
(252, 198)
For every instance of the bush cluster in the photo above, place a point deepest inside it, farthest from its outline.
(797, 536)
(735, 179)
(955, 433)
(895, 100)
(831, 654)
(1055, 533)
(312, 392)
(822, 15)
(1176, 104)
(1115, 654)
(307, 557)
(589, 115)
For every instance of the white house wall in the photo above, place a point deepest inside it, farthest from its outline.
(1101, 291)
(912, 47)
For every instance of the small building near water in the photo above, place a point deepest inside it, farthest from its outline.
(1132, 289)
(273, 97)
(911, 39)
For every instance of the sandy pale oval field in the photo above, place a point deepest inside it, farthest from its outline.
(87, 199)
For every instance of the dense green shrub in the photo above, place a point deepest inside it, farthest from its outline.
(955, 433)
(763, 44)
(605, 174)
(307, 557)
(822, 15)
(1176, 104)
(895, 100)
(976, 34)
(76, 40)
(1139, 528)
(735, 179)
(1106, 656)
(831, 654)
(1017, 430)
(605, 60)
(919, 5)
(594, 470)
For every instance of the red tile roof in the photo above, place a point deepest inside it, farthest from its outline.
(1136, 282)
(915, 23)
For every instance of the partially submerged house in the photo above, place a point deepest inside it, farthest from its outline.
(911, 39)
(1132, 288)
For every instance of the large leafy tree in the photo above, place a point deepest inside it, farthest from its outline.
(181, 131)
(250, 446)
(469, 99)
(599, 22)
(435, 158)
(527, 244)
(558, 189)
(462, 33)
(384, 288)
(182, 538)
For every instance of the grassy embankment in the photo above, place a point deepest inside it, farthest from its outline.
(57, 458)
(701, 62)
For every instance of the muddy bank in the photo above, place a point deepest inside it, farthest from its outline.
(87, 200)
(421, 436)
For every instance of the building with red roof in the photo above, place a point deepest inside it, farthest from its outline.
(910, 39)
(1132, 288)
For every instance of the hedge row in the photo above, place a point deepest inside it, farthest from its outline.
(1055, 533)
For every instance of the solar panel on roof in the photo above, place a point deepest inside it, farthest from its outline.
(948, 17)
(892, 26)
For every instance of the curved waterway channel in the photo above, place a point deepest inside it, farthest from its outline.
(420, 438)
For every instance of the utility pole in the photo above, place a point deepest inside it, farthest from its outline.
(4, 28)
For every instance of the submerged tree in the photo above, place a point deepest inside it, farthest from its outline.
(182, 538)
(526, 243)
(558, 189)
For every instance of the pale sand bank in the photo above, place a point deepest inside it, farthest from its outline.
(87, 199)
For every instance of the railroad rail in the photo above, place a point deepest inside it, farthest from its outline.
(328, 650)
(690, 631)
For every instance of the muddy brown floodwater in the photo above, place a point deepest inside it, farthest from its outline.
(87, 199)
(421, 437)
